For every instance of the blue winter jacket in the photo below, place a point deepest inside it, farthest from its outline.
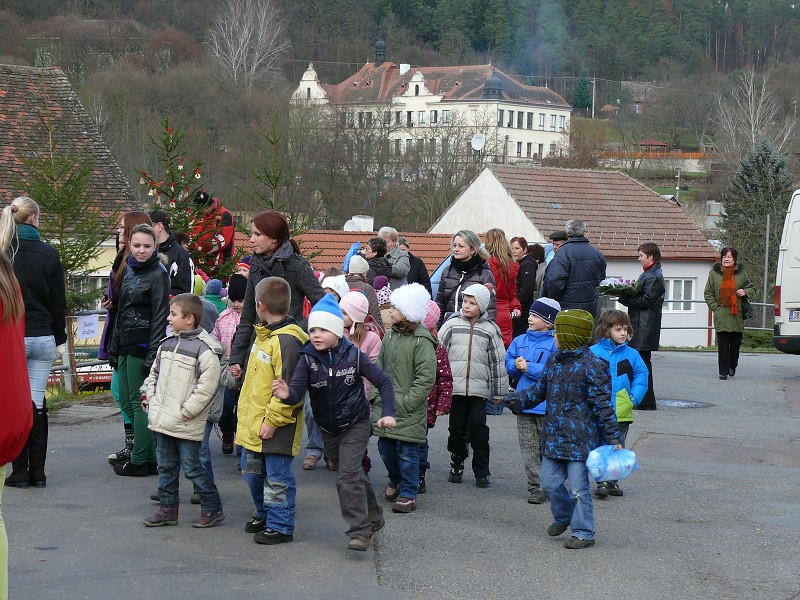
(628, 376)
(535, 347)
(333, 381)
(579, 415)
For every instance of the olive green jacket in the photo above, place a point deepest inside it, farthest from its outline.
(723, 319)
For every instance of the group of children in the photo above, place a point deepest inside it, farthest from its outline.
(365, 381)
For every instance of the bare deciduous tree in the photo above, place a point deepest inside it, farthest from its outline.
(748, 116)
(248, 40)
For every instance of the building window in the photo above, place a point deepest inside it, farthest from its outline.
(397, 118)
(446, 117)
(421, 118)
(541, 120)
(511, 118)
(500, 113)
(369, 120)
(541, 150)
(397, 147)
(409, 118)
(519, 149)
(678, 290)
(434, 117)
(530, 120)
(433, 146)
(409, 146)
(530, 149)
(562, 122)
(552, 122)
(520, 116)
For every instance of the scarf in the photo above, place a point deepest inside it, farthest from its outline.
(727, 290)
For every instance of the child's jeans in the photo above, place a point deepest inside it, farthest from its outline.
(529, 431)
(175, 454)
(272, 486)
(573, 505)
(357, 500)
(468, 428)
(402, 463)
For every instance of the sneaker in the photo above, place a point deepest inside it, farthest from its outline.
(310, 462)
(537, 497)
(602, 490)
(166, 515)
(128, 469)
(255, 525)
(209, 520)
(120, 456)
(422, 488)
(404, 505)
(227, 442)
(270, 537)
(377, 525)
(557, 529)
(456, 473)
(482, 481)
(392, 492)
(359, 543)
(614, 489)
(575, 543)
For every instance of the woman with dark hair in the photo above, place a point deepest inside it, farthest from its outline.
(128, 222)
(469, 264)
(505, 272)
(38, 269)
(275, 254)
(526, 283)
(727, 284)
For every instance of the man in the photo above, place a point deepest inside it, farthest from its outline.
(576, 270)
(179, 265)
(375, 254)
(418, 272)
(396, 256)
(212, 233)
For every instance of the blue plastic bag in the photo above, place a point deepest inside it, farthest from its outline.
(606, 464)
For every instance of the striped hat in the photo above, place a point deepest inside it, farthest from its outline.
(573, 328)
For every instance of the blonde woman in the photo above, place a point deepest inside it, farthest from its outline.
(38, 268)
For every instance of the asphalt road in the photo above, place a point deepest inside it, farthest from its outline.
(713, 512)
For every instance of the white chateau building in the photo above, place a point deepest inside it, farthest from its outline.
(518, 122)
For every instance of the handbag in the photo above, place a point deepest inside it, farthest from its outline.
(747, 308)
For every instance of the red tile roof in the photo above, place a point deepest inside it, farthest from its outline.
(332, 245)
(23, 92)
(620, 213)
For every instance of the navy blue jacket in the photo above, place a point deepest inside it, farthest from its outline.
(574, 274)
(333, 381)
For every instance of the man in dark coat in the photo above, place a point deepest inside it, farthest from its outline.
(418, 272)
(576, 270)
(179, 264)
(644, 309)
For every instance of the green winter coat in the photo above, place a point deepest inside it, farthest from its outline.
(410, 360)
(723, 319)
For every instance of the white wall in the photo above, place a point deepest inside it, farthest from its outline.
(697, 317)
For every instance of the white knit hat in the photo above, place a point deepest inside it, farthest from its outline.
(481, 294)
(338, 284)
(358, 265)
(327, 315)
(411, 300)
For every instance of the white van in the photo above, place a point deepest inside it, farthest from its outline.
(787, 283)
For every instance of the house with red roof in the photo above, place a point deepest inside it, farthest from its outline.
(620, 213)
(419, 106)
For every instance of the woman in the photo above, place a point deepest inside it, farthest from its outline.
(644, 310)
(140, 324)
(727, 284)
(275, 254)
(128, 222)
(526, 283)
(15, 402)
(505, 272)
(38, 269)
(468, 265)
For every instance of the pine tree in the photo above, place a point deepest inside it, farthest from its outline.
(761, 186)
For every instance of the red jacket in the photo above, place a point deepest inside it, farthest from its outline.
(15, 398)
(506, 297)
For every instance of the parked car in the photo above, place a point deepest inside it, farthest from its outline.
(787, 283)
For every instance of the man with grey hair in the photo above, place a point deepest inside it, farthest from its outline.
(576, 270)
(418, 273)
(396, 256)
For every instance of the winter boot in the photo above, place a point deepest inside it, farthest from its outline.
(20, 478)
(456, 472)
(38, 448)
(125, 454)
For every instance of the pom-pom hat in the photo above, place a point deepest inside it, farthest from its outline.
(546, 309)
(411, 300)
(481, 294)
(573, 328)
(327, 315)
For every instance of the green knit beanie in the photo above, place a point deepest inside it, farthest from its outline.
(573, 328)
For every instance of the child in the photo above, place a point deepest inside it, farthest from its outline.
(408, 354)
(478, 375)
(181, 386)
(577, 388)
(525, 360)
(270, 430)
(441, 395)
(629, 376)
(330, 368)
